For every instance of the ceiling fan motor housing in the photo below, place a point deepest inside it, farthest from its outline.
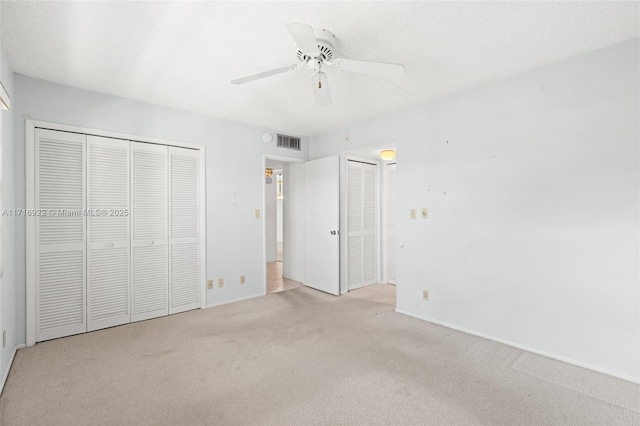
(326, 43)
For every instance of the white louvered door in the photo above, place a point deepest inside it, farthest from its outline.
(184, 230)
(362, 223)
(60, 297)
(354, 224)
(108, 289)
(149, 231)
(392, 223)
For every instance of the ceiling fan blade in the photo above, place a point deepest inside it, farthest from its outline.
(381, 69)
(263, 74)
(321, 90)
(304, 37)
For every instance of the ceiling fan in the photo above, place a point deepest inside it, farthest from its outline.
(316, 50)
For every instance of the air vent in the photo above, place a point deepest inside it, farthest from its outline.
(290, 142)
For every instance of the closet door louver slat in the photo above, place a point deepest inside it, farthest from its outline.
(60, 238)
(184, 225)
(108, 277)
(354, 224)
(149, 285)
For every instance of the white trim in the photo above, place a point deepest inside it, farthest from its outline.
(30, 133)
(226, 302)
(284, 159)
(30, 126)
(113, 135)
(385, 226)
(263, 219)
(203, 226)
(6, 372)
(524, 347)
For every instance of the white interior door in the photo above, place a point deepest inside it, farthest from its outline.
(149, 231)
(392, 223)
(108, 273)
(322, 216)
(184, 232)
(60, 292)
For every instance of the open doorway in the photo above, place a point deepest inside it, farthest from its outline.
(277, 211)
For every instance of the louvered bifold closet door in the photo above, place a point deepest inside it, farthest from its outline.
(370, 208)
(149, 217)
(108, 289)
(60, 234)
(362, 223)
(392, 223)
(184, 226)
(354, 224)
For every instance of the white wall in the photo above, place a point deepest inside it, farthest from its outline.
(532, 184)
(293, 221)
(8, 294)
(234, 174)
(279, 221)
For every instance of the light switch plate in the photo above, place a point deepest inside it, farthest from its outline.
(425, 213)
(257, 214)
(210, 284)
(220, 282)
(412, 214)
(241, 279)
(425, 295)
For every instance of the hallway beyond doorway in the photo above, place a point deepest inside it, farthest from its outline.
(275, 281)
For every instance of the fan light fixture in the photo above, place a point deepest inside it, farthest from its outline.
(268, 172)
(315, 49)
(388, 154)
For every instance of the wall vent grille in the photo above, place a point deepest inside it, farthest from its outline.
(290, 142)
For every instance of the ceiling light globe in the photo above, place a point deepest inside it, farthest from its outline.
(388, 154)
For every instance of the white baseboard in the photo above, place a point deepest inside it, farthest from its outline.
(240, 299)
(6, 372)
(524, 348)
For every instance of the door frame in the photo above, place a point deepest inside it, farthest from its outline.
(281, 159)
(385, 222)
(30, 127)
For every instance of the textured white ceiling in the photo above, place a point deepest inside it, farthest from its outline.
(184, 54)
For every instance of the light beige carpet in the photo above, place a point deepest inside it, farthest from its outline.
(302, 357)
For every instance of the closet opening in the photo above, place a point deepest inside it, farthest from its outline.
(119, 234)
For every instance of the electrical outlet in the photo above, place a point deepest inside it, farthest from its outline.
(220, 282)
(210, 284)
(257, 214)
(241, 279)
(412, 214)
(4, 338)
(425, 295)
(425, 213)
